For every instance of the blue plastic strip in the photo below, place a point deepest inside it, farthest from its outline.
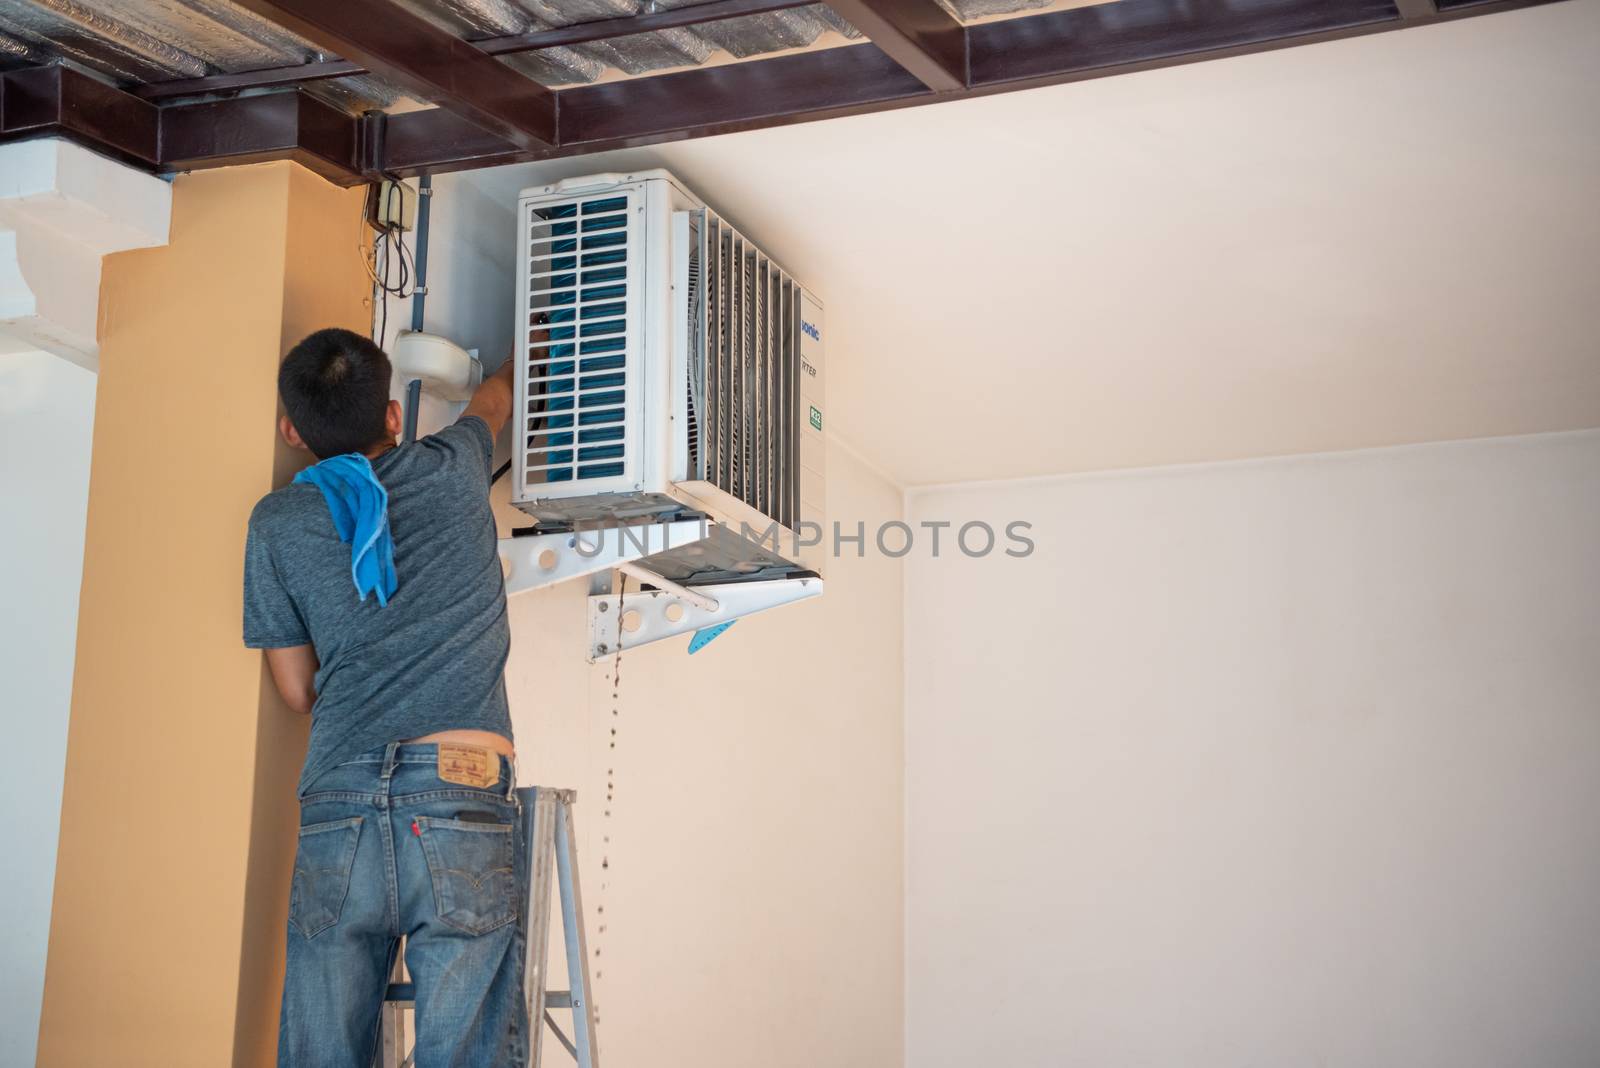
(706, 635)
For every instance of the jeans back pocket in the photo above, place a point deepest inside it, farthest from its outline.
(322, 866)
(472, 868)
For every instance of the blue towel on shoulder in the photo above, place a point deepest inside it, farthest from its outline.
(360, 508)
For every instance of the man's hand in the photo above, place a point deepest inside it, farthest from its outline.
(493, 399)
(294, 672)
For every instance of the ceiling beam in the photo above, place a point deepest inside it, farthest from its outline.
(627, 25)
(694, 103)
(252, 129)
(739, 96)
(1045, 49)
(555, 37)
(1054, 47)
(440, 68)
(58, 101)
(919, 35)
(1416, 9)
(299, 74)
(1130, 35)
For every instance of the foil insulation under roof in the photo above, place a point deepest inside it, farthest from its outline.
(968, 10)
(134, 42)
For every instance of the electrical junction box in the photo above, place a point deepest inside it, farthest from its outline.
(396, 206)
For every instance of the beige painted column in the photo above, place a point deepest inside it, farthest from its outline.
(178, 820)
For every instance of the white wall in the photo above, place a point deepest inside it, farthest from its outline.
(746, 893)
(46, 425)
(1285, 762)
(753, 902)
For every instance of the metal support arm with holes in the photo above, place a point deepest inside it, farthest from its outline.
(663, 614)
(538, 560)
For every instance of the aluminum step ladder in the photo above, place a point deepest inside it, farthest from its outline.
(548, 851)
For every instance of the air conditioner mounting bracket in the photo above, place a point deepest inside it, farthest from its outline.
(657, 608)
(537, 560)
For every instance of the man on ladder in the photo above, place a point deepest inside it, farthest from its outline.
(374, 585)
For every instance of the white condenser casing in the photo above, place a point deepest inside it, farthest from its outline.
(667, 367)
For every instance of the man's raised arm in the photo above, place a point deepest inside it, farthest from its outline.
(492, 400)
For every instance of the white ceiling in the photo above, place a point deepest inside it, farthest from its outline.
(1383, 240)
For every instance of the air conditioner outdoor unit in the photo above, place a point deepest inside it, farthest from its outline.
(668, 370)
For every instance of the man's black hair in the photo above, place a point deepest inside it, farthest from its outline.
(335, 387)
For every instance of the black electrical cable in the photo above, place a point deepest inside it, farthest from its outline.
(390, 247)
(498, 475)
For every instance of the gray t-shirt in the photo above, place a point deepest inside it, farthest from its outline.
(434, 658)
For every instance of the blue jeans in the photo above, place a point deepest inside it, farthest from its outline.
(388, 849)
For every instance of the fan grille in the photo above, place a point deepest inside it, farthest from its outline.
(576, 401)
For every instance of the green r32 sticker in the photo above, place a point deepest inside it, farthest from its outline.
(816, 417)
